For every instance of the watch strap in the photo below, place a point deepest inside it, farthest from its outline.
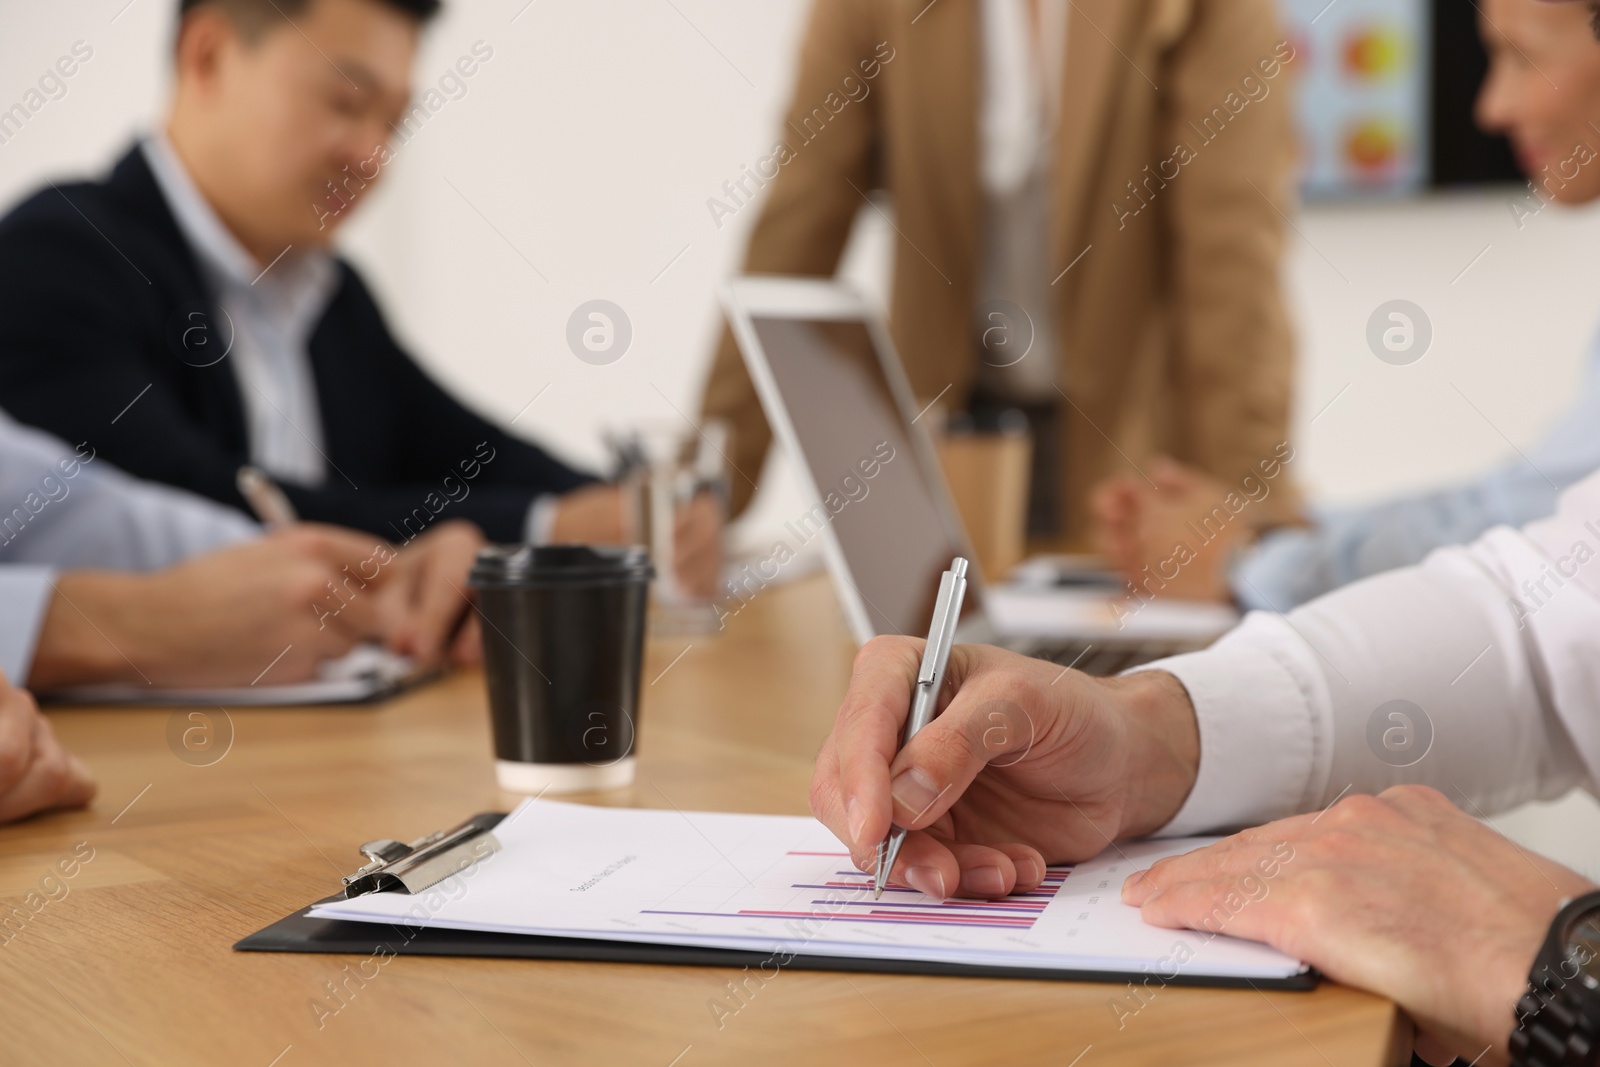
(1549, 1033)
(1558, 1017)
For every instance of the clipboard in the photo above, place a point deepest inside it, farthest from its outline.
(396, 867)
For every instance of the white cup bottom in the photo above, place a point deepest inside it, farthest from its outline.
(517, 777)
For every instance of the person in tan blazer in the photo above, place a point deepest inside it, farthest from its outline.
(1118, 170)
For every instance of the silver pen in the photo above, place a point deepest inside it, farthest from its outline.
(925, 699)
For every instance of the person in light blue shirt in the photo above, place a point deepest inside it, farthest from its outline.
(1222, 559)
(105, 577)
(1176, 533)
(1292, 565)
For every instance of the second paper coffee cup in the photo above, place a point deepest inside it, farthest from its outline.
(563, 653)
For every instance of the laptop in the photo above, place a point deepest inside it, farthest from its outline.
(839, 403)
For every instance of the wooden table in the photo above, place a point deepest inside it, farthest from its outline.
(133, 965)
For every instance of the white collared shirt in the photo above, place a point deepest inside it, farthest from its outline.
(1021, 96)
(1020, 102)
(1476, 672)
(270, 311)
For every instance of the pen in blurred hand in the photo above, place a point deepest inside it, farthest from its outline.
(265, 498)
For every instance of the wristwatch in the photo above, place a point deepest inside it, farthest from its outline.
(1558, 1018)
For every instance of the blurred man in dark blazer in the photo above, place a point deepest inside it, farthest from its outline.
(188, 316)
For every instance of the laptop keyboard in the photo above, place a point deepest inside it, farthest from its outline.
(1103, 658)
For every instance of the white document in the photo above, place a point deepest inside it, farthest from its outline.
(766, 882)
(365, 673)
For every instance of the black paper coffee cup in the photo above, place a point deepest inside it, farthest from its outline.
(563, 654)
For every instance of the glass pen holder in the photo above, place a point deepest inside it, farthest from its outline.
(675, 488)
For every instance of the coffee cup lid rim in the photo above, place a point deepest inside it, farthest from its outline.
(559, 564)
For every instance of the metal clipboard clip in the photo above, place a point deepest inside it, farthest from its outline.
(425, 862)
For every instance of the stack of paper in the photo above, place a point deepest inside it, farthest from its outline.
(765, 882)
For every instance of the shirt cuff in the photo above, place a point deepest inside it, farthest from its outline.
(541, 519)
(25, 591)
(1257, 731)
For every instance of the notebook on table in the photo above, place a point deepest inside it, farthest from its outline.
(367, 673)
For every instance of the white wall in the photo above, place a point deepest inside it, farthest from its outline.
(590, 143)
(1509, 335)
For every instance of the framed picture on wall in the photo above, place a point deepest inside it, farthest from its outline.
(1385, 90)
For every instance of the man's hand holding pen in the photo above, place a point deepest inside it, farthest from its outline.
(1024, 764)
(1028, 764)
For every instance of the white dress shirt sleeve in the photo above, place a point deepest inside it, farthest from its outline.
(1493, 648)
(25, 592)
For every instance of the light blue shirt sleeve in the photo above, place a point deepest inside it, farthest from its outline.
(25, 592)
(64, 507)
(1292, 566)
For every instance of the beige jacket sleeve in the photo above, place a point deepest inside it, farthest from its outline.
(1232, 353)
(810, 207)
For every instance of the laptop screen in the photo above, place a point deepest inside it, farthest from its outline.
(875, 493)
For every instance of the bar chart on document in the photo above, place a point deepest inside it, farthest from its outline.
(759, 882)
(825, 891)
